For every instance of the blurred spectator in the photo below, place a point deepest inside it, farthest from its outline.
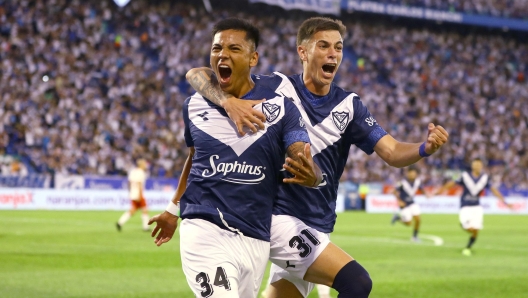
(17, 169)
(87, 88)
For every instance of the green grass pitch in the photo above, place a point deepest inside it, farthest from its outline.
(80, 254)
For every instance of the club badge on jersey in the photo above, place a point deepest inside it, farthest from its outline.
(271, 111)
(340, 120)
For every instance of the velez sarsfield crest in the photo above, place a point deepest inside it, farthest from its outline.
(340, 120)
(271, 111)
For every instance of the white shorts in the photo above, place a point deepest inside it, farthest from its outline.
(471, 217)
(220, 263)
(294, 247)
(407, 213)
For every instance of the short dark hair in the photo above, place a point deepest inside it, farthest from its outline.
(413, 168)
(252, 32)
(316, 24)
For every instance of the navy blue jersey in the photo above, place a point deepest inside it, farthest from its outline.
(407, 190)
(234, 180)
(334, 123)
(473, 187)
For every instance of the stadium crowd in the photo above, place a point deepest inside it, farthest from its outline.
(88, 88)
(516, 9)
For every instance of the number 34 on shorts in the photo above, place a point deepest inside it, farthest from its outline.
(220, 280)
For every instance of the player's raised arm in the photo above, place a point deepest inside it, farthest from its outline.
(399, 154)
(167, 222)
(241, 112)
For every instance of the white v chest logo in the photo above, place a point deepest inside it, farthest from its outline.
(411, 191)
(474, 187)
(212, 122)
(327, 132)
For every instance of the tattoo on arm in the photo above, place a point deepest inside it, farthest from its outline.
(207, 85)
(294, 150)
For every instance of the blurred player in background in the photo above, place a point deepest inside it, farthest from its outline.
(409, 210)
(232, 180)
(136, 185)
(301, 251)
(471, 214)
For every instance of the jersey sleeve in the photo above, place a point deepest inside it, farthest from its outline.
(364, 130)
(187, 132)
(271, 81)
(294, 127)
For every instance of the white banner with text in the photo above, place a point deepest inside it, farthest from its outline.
(80, 199)
(446, 204)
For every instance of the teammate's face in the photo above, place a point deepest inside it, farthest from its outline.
(476, 166)
(411, 175)
(232, 57)
(321, 56)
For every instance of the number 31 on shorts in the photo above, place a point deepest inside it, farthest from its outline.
(220, 281)
(298, 242)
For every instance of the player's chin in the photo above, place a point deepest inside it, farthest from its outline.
(324, 80)
(327, 77)
(225, 86)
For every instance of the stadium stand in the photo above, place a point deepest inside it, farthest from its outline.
(87, 87)
(499, 8)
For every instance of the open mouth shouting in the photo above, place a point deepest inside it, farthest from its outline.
(329, 69)
(225, 73)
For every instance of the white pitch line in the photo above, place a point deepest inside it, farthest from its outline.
(438, 241)
(407, 242)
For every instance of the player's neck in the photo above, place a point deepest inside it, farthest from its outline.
(313, 87)
(476, 174)
(242, 87)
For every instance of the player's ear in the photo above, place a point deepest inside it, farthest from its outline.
(301, 50)
(254, 59)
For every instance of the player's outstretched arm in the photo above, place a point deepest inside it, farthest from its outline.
(400, 154)
(499, 195)
(167, 222)
(445, 187)
(425, 192)
(241, 112)
(301, 164)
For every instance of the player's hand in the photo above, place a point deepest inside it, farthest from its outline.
(166, 224)
(437, 136)
(511, 206)
(242, 113)
(304, 170)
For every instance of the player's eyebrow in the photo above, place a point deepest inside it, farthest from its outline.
(329, 43)
(229, 45)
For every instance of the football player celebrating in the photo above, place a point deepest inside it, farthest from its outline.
(301, 251)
